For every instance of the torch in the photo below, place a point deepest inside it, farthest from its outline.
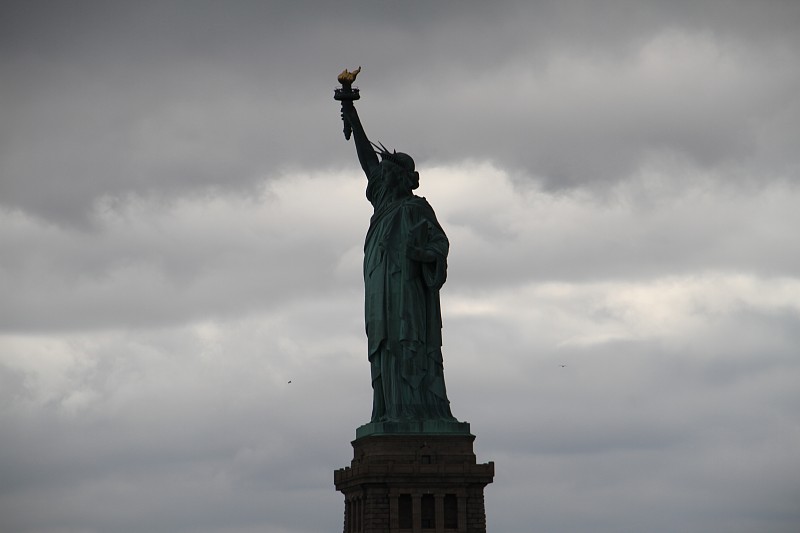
(347, 94)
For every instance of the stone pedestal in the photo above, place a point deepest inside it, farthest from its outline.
(414, 483)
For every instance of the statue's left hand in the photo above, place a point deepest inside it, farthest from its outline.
(417, 253)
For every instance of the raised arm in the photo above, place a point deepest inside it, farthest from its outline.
(366, 155)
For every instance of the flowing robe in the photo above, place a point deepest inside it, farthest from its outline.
(402, 310)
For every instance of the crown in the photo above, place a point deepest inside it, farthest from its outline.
(400, 159)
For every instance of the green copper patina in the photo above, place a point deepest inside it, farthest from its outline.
(405, 266)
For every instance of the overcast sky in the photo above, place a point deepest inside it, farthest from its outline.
(182, 223)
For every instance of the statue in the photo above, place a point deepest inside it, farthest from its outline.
(405, 265)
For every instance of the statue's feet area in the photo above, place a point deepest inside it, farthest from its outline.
(434, 427)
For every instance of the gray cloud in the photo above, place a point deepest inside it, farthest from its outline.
(108, 99)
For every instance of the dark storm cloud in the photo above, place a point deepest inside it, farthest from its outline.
(105, 99)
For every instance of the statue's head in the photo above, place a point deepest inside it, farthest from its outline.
(401, 166)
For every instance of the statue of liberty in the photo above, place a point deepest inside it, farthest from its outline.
(405, 266)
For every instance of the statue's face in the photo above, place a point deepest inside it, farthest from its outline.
(392, 174)
(413, 177)
(398, 178)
